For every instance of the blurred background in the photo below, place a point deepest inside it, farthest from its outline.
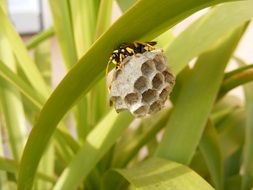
(33, 16)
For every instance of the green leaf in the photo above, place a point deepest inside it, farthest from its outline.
(104, 17)
(233, 183)
(233, 164)
(22, 86)
(24, 61)
(159, 174)
(3, 174)
(42, 57)
(84, 17)
(40, 37)
(247, 181)
(199, 165)
(14, 118)
(236, 78)
(125, 4)
(231, 132)
(97, 143)
(64, 31)
(99, 105)
(92, 65)
(47, 167)
(36, 99)
(203, 33)
(223, 108)
(68, 139)
(181, 77)
(195, 102)
(210, 149)
(127, 151)
(164, 40)
(12, 167)
(10, 100)
(243, 67)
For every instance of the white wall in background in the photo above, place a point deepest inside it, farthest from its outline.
(47, 19)
(25, 15)
(244, 49)
(46, 14)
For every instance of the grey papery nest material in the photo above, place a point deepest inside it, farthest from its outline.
(142, 84)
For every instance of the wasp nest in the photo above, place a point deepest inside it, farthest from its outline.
(141, 84)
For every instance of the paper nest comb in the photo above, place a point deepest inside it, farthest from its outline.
(142, 84)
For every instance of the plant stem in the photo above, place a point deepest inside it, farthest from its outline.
(42, 36)
(134, 146)
(235, 79)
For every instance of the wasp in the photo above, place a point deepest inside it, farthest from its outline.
(129, 49)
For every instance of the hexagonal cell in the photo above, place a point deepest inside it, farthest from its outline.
(157, 81)
(159, 65)
(113, 99)
(141, 111)
(141, 84)
(155, 107)
(118, 102)
(164, 94)
(149, 96)
(169, 78)
(132, 98)
(147, 68)
(159, 58)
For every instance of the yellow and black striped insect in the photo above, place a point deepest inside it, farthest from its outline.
(128, 49)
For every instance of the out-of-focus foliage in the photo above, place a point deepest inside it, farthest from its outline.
(69, 138)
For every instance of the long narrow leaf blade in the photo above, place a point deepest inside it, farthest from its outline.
(12, 167)
(125, 4)
(83, 27)
(25, 62)
(84, 17)
(210, 149)
(91, 66)
(104, 17)
(195, 101)
(96, 145)
(247, 181)
(160, 174)
(197, 38)
(10, 99)
(21, 85)
(42, 36)
(63, 28)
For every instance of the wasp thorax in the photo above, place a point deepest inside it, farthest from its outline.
(142, 83)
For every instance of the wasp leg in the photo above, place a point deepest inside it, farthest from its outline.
(121, 57)
(108, 64)
(135, 43)
(130, 51)
(146, 45)
(149, 47)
